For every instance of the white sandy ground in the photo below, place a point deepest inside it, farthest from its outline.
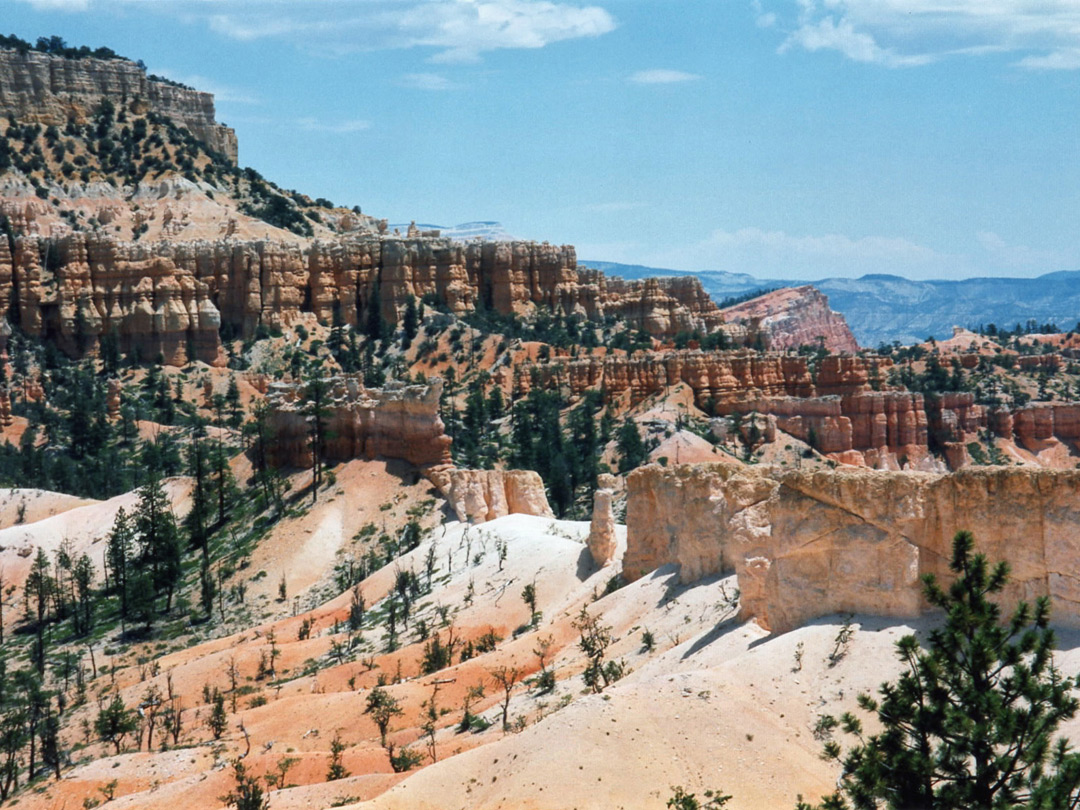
(53, 518)
(716, 705)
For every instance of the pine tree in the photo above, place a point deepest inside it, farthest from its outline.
(632, 452)
(317, 392)
(115, 721)
(410, 322)
(159, 539)
(118, 551)
(971, 721)
(198, 519)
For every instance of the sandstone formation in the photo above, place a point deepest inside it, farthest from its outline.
(478, 496)
(46, 89)
(794, 317)
(809, 544)
(602, 529)
(838, 404)
(173, 297)
(398, 421)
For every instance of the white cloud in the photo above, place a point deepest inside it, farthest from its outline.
(1044, 34)
(466, 28)
(661, 76)
(426, 81)
(778, 254)
(1004, 255)
(828, 34)
(340, 128)
(59, 5)
(456, 30)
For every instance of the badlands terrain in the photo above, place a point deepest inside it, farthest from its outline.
(363, 516)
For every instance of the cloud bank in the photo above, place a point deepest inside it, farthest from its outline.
(457, 30)
(1043, 35)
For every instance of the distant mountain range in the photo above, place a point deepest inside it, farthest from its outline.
(883, 308)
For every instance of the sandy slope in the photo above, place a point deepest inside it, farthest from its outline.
(716, 704)
(84, 523)
(37, 504)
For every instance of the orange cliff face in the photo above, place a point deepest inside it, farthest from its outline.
(173, 297)
(398, 421)
(794, 317)
(839, 404)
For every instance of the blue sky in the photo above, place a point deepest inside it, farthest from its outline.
(783, 138)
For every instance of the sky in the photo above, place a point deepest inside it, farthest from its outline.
(794, 139)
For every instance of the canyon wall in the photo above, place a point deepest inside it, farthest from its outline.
(794, 317)
(838, 404)
(38, 87)
(398, 421)
(172, 297)
(805, 545)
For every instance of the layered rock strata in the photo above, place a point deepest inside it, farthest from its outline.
(173, 297)
(794, 317)
(39, 87)
(805, 545)
(838, 404)
(398, 421)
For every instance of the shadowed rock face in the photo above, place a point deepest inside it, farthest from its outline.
(47, 89)
(398, 421)
(805, 545)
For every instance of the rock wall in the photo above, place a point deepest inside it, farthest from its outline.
(170, 297)
(398, 421)
(84, 286)
(840, 405)
(794, 317)
(809, 544)
(478, 496)
(48, 89)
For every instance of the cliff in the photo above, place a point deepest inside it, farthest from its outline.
(794, 317)
(172, 296)
(398, 421)
(48, 89)
(837, 404)
(809, 544)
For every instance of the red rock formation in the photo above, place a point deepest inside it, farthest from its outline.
(170, 297)
(398, 421)
(793, 317)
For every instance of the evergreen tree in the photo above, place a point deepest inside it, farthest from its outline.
(317, 393)
(373, 324)
(159, 539)
(410, 322)
(115, 721)
(632, 452)
(198, 519)
(118, 551)
(971, 721)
